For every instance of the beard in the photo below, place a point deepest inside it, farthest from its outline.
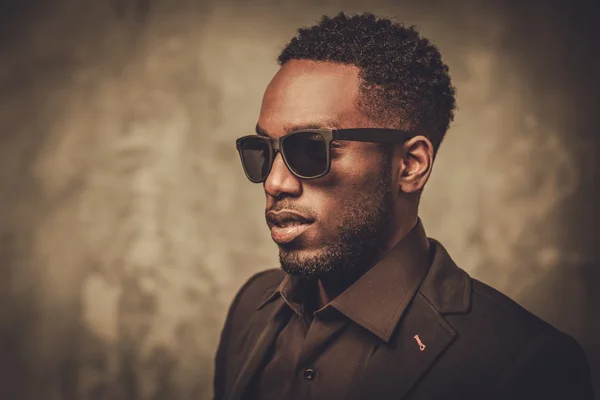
(362, 231)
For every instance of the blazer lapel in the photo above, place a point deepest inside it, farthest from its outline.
(396, 366)
(275, 321)
(422, 334)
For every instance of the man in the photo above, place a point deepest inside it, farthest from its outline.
(365, 306)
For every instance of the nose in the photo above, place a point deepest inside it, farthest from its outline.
(281, 181)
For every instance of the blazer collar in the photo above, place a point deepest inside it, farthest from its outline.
(422, 335)
(446, 286)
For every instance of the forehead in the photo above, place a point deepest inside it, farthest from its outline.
(304, 93)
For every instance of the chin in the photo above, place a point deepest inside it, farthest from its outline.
(305, 262)
(303, 247)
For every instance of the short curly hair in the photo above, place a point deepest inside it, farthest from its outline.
(404, 82)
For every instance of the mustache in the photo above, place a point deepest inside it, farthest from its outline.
(279, 206)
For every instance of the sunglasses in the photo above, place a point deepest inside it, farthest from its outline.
(306, 153)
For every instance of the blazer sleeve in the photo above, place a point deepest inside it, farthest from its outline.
(551, 368)
(219, 379)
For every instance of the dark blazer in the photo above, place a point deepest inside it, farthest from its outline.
(481, 345)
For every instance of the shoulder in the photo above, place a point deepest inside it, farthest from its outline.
(500, 345)
(492, 304)
(249, 296)
(496, 318)
(501, 309)
(474, 308)
(260, 283)
(550, 365)
(524, 352)
(515, 322)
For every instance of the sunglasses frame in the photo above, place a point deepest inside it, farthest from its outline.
(371, 135)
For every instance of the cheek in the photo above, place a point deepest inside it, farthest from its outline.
(349, 184)
(340, 204)
(357, 170)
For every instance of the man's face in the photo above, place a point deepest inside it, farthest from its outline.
(350, 209)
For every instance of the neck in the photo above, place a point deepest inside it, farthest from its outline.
(329, 289)
(399, 234)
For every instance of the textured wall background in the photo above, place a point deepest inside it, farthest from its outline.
(127, 224)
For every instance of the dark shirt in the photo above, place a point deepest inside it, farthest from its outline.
(318, 354)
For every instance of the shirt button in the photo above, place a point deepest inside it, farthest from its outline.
(309, 374)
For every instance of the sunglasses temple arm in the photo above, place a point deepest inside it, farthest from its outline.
(369, 135)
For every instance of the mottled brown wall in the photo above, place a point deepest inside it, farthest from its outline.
(127, 224)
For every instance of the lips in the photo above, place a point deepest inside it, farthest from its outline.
(287, 225)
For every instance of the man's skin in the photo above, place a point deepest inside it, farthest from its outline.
(324, 95)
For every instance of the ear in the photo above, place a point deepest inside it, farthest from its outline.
(416, 164)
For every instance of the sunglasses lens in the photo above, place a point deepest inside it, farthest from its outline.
(306, 153)
(255, 154)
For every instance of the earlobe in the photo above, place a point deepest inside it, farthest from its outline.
(417, 161)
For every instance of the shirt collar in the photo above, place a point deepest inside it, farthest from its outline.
(378, 299)
(291, 290)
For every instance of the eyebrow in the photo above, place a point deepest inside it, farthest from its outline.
(291, 128)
